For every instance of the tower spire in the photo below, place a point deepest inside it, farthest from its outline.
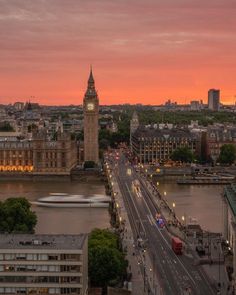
(91, 79)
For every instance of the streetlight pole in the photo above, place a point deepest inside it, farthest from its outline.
(173, 205)
(219, 272)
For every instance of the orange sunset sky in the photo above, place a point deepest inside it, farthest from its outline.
(142, 51)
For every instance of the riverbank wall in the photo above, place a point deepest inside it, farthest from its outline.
(81, 175)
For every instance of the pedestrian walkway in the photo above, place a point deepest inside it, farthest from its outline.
(128, 243)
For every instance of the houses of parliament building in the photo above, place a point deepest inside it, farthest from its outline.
(43, 155)
(38, 155)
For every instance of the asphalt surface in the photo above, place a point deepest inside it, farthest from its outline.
(174, 273)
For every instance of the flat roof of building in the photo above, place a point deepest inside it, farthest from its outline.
(31, 241)
(230, 195)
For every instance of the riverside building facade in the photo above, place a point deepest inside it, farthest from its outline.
(43, 264)
(38, 155)
(216, 137)
(153, 145)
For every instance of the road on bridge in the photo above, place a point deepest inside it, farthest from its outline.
(175, 274)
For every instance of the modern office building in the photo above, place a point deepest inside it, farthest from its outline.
(214, 99)
(155, 145)
(91, 110)
(195, 105)
(43, 264)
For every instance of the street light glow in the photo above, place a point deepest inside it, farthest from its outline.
(173, 205)
(183, 218)
(164, 193)
(158, 183)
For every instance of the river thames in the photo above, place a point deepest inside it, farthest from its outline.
(200, 202)
(59, 220)
(192, 201)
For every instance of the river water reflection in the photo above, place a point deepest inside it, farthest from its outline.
(59, 220)
(202, 202)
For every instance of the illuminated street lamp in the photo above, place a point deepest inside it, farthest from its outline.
(164, 193)
(158, 183)
(184, 220)
(173, 205)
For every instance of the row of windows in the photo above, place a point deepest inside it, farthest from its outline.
(34, 291)
(157, 149)
(15, 162)
(15, 152)
(24, 256)
(181, 139)
(40, 268)
(39, 279)
(15, 145)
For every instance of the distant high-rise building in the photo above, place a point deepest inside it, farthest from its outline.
(195, 105)
(91, 105)
(214, 99)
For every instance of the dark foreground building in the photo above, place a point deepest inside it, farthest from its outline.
(43, 264)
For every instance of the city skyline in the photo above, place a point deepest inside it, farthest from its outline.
(141, 52)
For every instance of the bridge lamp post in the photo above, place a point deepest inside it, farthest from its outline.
(183, 219)
(173, 205)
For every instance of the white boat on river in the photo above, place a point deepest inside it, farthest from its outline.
(72, 201)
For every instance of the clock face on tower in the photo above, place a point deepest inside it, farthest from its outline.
(90, 106)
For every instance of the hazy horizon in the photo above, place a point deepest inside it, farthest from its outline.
(141, 51)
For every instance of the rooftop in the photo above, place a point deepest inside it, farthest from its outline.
(31, 241)
(165, 133)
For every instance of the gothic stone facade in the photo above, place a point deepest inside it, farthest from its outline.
(91, 109)
(39, 155)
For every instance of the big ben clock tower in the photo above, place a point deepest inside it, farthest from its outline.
(91, 106)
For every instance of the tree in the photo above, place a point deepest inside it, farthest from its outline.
(227, 154)
(89, 164)
(16, 216)
(106, 261)
(182, 154)
(6, 127)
